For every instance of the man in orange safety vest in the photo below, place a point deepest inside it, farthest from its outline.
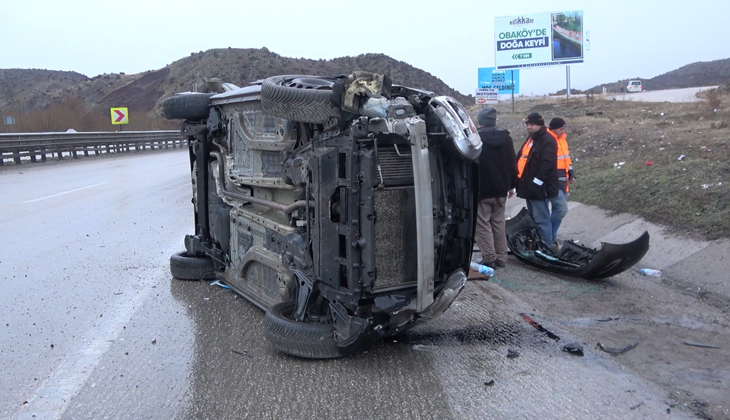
(559, 204)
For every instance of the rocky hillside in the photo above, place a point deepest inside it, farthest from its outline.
(26, 90)
(703, 73)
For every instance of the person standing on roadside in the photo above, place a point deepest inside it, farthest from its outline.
(559, 204)
(497, 182)
(538, 181)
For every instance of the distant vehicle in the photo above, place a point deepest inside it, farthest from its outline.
(635, 86)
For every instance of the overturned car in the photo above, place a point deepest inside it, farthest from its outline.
(342, 206)
(571, 259)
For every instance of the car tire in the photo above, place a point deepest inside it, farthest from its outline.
(302, 339)
(187, 106)
(299, 98)
(185, 267)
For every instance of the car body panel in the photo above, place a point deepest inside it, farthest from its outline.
(572, 259)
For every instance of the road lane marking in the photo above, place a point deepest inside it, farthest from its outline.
(62, 193)
(51, 400)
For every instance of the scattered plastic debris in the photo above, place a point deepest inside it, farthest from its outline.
(681, 157)
(707, 346)
(634, 407)
(217, 282)
(573, 348)
(540, 327)
(705, 186)
(650, 272)
(617, 350)
(241, 352)
(512, 354)
(649, 163)
(608, 319)
(423, 347)
(489, 382)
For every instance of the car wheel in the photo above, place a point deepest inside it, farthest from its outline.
(185, 267)
(187, 106)
(302, 339)
(299, 98)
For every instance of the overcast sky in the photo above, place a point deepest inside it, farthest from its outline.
(449, 39)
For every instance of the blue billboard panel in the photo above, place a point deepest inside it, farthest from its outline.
(504, 80)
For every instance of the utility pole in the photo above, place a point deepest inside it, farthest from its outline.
(567, 85)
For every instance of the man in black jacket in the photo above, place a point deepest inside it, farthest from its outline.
(497, 180)
(539, 180)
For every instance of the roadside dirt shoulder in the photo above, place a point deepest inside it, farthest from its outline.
(680, 329)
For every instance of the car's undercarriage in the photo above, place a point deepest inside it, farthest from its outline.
(343, 206)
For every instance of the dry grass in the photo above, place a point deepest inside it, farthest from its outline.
(676, 166)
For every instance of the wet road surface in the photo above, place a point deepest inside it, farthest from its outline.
(93, 326)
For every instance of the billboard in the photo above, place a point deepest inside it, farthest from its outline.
(543, 39)
(503, 80)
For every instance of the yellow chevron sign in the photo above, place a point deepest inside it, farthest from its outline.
(119, 116)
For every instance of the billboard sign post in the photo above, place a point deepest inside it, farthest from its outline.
(536, 40)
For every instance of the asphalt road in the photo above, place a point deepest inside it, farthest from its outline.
(94, 327)
(667, 95)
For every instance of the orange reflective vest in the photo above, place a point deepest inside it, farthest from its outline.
(565, 165)
(522, 156)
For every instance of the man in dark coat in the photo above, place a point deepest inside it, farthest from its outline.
(497, 181)
(539, 180)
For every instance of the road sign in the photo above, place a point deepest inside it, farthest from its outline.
(503, 80)
(9, 120)
(119, 116)
(487, 95)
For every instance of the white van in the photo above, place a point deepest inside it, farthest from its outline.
(635, 86)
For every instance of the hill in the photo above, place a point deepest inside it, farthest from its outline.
(703, 73)
(24, 91)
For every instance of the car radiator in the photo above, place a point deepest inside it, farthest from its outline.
(395, 224)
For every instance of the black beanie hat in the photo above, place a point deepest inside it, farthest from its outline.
(535, 118)
(557, 123)
(487, 117)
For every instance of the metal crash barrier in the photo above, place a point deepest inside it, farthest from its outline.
(31, 147)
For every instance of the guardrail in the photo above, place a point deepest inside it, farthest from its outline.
(21, 147)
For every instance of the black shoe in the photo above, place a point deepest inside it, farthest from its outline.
(499, 264)
(493, 265)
